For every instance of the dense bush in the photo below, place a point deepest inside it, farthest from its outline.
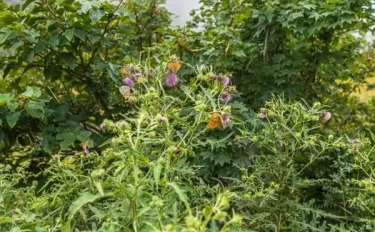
(112, 121)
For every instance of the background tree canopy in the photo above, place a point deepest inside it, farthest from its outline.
(244, 119)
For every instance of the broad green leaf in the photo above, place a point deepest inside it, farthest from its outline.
(84, 136)
(47, 142)
(4, 98)
(51, 72)
(80, 34)
(54, 40)
(35, 108)
(93, 38)
(4, 35)
(96, 15)
(40, 46)
(69, 34)
(13, 118)
(68, 59)
(32, 92)
(12, 105)
(27, 3)
(67, 139)
(86, 5)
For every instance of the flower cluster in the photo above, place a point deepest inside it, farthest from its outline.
(226, 95)
(172, 79)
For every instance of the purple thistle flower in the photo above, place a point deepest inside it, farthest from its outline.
(129, 82)
(101, 126)
(86, 151)
(225, 81)
(326, 116)
(226, 119)
(262, 115)
(225, 98)
(172, 80)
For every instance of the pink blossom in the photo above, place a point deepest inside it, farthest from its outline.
(225, 80)
(225, 98)
(226, 119)
(172, 80)
(129, 82)
(326, 116)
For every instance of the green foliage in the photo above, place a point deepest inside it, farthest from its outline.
(66, 55)
(146, 179)
(100, 129)
(303, 49)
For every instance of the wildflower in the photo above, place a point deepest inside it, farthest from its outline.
(172, 80)
(224, 80)
(262, 115)
(176, 150)
(225, 98)
(326, 116)
(226, 119)
(129, 82)
(101, 126)
(85, 147)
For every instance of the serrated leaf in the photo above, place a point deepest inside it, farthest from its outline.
(96, 15)
(180, 193)
(80, 34)
(13, 118)
(93, 38)
(69, 33)
(35, 108)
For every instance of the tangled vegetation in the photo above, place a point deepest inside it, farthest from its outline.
(242, 120)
